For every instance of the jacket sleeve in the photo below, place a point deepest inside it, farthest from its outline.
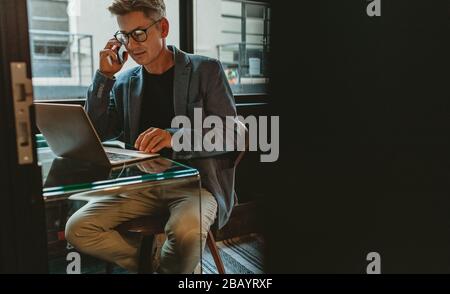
(218, 101)
(103, 108)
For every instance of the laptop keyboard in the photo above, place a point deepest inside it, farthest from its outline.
(118, 157)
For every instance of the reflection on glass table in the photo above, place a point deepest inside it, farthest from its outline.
(62, 176)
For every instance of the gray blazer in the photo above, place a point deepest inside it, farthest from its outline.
(114, 106)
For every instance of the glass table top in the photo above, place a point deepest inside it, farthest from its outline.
(62, 176)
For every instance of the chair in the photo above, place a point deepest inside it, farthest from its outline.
(148, 227)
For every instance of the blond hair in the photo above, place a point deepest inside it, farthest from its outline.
(151, 8)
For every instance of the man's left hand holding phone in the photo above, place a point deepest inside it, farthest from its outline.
(112, 58)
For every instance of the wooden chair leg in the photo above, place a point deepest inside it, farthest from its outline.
(215, 253)
(145, 255)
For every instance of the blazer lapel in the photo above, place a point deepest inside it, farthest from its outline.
(181, 81)
(135, 102)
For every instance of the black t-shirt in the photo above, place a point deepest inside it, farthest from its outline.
(157, 108)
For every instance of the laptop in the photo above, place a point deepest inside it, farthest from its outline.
(70, 134)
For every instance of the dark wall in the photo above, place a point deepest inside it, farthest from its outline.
(365, 136)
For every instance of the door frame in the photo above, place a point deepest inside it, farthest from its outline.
(23, 240)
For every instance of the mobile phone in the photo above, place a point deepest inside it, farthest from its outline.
(121, 54)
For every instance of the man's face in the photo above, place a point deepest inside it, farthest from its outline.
(148, 51)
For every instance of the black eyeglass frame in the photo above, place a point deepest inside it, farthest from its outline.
(134, 31)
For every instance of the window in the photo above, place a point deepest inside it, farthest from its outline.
(66, 37)
(236, 33)
(49, 27)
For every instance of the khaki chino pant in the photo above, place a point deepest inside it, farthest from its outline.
(91, 229)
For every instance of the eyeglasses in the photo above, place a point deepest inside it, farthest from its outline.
(139, 35)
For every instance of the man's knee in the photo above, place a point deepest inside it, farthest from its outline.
(78, 230)
(183, 227)
(187, 226)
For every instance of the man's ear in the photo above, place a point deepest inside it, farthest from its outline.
(164, 27)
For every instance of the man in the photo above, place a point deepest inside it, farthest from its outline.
(138, 106)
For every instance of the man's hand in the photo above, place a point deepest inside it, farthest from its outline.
(153, 140)
(154, 166)
(109, 61)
